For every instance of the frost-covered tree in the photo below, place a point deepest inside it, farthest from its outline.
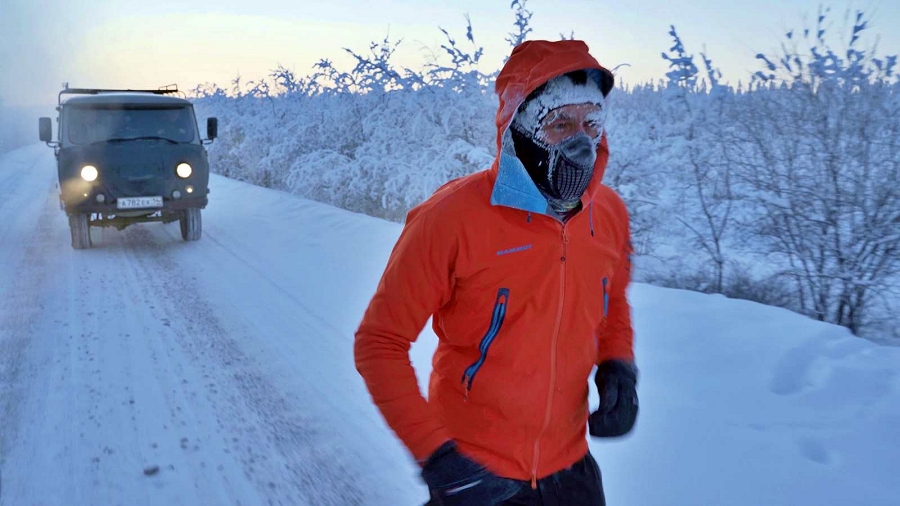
(522, 22)
(696, 123)
(638, 164)
(376, 138)
(821, 138)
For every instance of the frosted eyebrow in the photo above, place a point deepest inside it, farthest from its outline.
(567, 114)
(556, 116)
(595, 116)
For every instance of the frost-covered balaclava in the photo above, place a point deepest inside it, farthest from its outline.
(561, 171)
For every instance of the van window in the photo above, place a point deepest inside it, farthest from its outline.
(86, 125)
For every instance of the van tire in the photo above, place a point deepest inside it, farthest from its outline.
(80, 226)
(191, 224)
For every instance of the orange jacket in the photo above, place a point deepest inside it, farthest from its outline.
(523, 305)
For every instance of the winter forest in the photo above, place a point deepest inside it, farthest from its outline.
(777, 187)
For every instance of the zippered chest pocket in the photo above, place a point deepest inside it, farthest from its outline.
(605, 297)
(497, 317)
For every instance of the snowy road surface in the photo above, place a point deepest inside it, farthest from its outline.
(214, 361)
(148, 371)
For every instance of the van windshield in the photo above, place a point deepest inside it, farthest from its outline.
(87, 125)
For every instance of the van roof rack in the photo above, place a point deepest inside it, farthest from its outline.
(170, 89)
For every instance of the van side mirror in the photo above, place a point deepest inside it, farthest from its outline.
(212, 128)
(45, 129)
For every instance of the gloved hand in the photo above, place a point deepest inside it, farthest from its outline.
(455, 480)
(617, 385)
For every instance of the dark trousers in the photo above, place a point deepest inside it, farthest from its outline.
(579, 485)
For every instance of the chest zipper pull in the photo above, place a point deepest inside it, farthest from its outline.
(591, 216)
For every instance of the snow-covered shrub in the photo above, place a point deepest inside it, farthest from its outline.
(820, 149)
(786, 188)
(376, 139)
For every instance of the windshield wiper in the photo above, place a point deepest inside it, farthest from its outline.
(142, 138)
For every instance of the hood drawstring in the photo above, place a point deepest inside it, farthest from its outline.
(591, 215)
(529, 217)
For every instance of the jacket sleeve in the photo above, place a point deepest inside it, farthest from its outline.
(416, 283)
(616, 337)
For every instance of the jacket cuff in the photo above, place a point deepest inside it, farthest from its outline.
(621, 352)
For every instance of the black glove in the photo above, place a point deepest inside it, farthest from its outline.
(455, 480)
(617, 385)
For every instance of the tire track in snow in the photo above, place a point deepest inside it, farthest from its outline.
(170, 420)
(286, 293)
(280, 449)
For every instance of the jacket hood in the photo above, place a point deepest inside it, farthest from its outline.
(530, 65)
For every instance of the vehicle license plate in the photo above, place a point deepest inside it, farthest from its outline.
(139, 202)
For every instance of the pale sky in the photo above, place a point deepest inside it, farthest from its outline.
(133, 44)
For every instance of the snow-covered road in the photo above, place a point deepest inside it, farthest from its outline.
(149, 371)
(211, 361)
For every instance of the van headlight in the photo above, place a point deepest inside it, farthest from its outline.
(89, 173)
(184, 170)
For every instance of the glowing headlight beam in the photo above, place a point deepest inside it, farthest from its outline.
(89, 173)
(184, 170)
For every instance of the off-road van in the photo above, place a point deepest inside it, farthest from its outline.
(129, 156)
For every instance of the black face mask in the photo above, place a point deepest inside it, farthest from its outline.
(562, 172)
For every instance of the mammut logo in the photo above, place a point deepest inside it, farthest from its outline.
(514, 250)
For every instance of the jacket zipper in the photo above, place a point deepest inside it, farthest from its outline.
(559, 314)
(605, 297)
(496, 323)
